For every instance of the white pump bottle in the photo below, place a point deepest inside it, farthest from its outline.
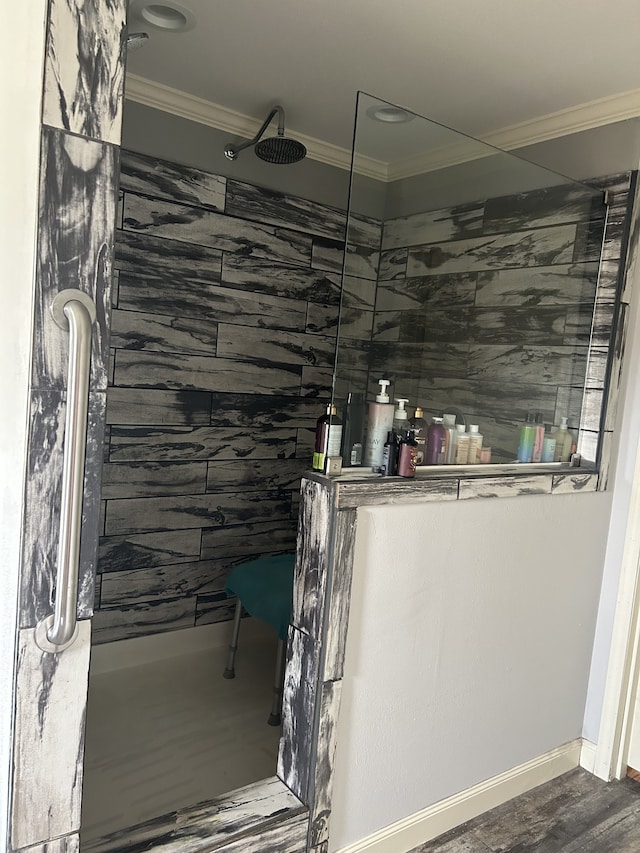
(379, 425)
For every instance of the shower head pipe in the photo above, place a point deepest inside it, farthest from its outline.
(231, 151)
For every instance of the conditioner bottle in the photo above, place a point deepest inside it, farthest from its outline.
(419, 427)
(379, 425)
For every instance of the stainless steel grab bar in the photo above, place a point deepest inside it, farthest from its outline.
(74, 311)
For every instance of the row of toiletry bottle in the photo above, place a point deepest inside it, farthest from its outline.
(538, 445)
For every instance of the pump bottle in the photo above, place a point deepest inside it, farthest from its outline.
(379, 425)
(400, 417)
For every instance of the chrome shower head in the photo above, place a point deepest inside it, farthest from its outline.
(278, 149)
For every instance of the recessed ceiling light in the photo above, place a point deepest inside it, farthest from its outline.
(390, 114)
(168, 16)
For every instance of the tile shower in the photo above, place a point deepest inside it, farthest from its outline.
(225, 314)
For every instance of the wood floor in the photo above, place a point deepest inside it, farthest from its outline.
(575, 813)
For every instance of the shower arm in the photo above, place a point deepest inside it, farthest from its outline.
(232, 151)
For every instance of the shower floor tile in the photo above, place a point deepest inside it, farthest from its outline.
(172, 733)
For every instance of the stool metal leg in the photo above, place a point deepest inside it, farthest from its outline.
(276, 705)
(230, 671)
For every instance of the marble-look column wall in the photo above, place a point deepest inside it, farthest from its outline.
(494, 309)
(223, 336)
(82, 107)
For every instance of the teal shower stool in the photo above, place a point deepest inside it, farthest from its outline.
(265, 588)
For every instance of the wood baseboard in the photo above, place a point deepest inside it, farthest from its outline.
(433, 821)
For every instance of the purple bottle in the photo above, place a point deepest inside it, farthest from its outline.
(436, 443)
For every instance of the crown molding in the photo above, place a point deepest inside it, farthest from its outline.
(190, 107)
(603, 111)
(598, 113)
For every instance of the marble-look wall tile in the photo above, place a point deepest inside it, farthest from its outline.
(283, 280)
(310, 576)
(67, 844)
(207, 228)
(298, 706)
(136, 620)
(339, 595)
(259, 410)
(316, 382)
(540, 247)
(162, 582)
(239, 816)
(146, 550)
(364, 231)
(180, 511)
(138, 331)
(434, 226)
(505, 487)
(566, 484)
(273, 208)
(531, 364)
(354, 323)
(269, 346)
(588, 445)
(91, 508)
(49, 739)
(75, 250)
(428, 291)
(42, 505)
(554, 205)
(173, 444)
(396, 491)
(508, 401)
(322, 781)
(215, 607)
(171, 261)
(255, 474)
(208, 304)
(84, 68)
(250, 539)
(393, 264)
(144, 479)
(171, 181)
(155, 406)
(180, 371)
(328, 255)
(561, 284)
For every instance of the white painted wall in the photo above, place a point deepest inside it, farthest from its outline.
(469, 647)
(22, 50)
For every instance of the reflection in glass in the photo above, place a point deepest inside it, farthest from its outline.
(469, 282)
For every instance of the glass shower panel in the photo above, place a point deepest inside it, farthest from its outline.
(470, 279)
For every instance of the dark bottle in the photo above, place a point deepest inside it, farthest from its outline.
(390, 455)
(419, 427)
(407, 455)
(328, 437)
(436, 443)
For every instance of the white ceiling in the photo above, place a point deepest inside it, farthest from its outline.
(479, 66)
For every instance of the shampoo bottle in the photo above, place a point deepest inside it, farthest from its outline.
(548, 448)
(538, 439)
(462, 445)
(449, 423)
(475, 444)
(527, 437)
(419, 427)
(436, 443)
(380, 423)
(564, 442)
(456, 452)
(328, 437)
(400, 417)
